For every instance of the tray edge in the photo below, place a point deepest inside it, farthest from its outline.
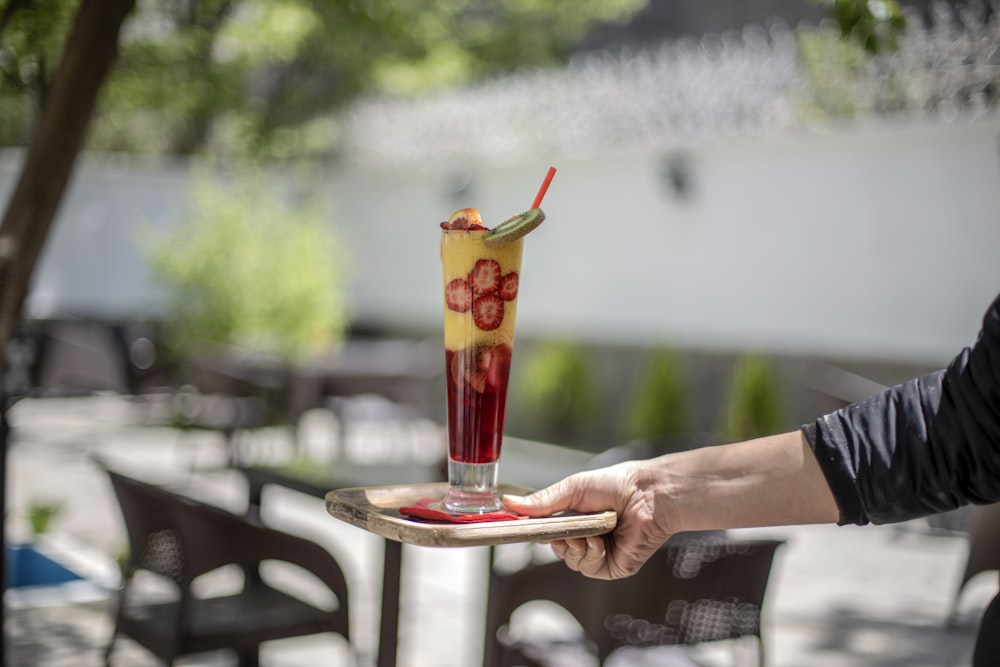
(463, 535)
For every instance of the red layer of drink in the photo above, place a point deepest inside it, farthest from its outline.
(477, 397)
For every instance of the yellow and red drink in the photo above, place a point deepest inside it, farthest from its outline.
(482, 278)
(481, 286)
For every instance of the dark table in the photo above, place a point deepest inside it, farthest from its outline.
(522, 462)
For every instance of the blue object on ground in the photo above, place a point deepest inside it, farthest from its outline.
(27, 567)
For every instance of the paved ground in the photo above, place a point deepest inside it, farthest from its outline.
(839, 597)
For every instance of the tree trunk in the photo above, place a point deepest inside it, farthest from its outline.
(57, 140)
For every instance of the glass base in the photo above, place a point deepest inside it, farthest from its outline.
(472, 488)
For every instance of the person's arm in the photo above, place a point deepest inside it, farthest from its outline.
(926, 446)
(769, 481)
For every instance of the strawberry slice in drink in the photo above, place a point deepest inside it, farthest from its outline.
(481, 367)
(470, 367)
(508, 286)
(499, 367)
(485, 277)
(466, 218)
(458, 295)
(487, 312)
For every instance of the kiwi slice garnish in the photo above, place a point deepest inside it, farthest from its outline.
(513, 228)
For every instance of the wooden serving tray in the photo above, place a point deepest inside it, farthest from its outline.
(376, 509)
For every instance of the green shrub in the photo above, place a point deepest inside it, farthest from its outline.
(753, 407)
(41, 514)
(833, 69)
(248, 268)
(656, 409)
(558, 385)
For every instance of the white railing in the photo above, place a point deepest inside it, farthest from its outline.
(744, 84)
(950, 65)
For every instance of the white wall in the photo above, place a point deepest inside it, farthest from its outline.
(92, 263)
(876, 242)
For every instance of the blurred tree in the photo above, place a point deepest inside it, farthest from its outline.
(834, 59)
(239, 279)
(65, 101)
(32, 35)
(61, 106)
(251, 77)
(832, 67)
(874, 24)
(261, 77)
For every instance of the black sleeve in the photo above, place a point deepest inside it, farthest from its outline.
(926, 446)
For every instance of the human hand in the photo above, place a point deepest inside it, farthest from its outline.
(632, 489)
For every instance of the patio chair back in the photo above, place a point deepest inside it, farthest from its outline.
(687, 593)
(181, 539)
(984, 551)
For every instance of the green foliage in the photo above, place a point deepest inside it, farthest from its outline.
(262, 78)
(31, 43)
(753, 406)
(265, 78)
(875, 25)
(41, 514)
(249, 268)
(833, 68)
(473, 39)
(558, 385)
(657, 407)
(834, 61)
(121, 557)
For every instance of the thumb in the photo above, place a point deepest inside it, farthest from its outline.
(546, 502)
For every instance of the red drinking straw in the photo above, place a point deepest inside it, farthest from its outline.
(544, 188)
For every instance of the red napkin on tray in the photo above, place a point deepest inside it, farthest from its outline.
(423, 510)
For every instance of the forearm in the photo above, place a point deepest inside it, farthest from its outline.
(765, 482)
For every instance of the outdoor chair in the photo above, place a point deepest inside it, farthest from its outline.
(984, 550)
(180, 539)
(689, 592)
